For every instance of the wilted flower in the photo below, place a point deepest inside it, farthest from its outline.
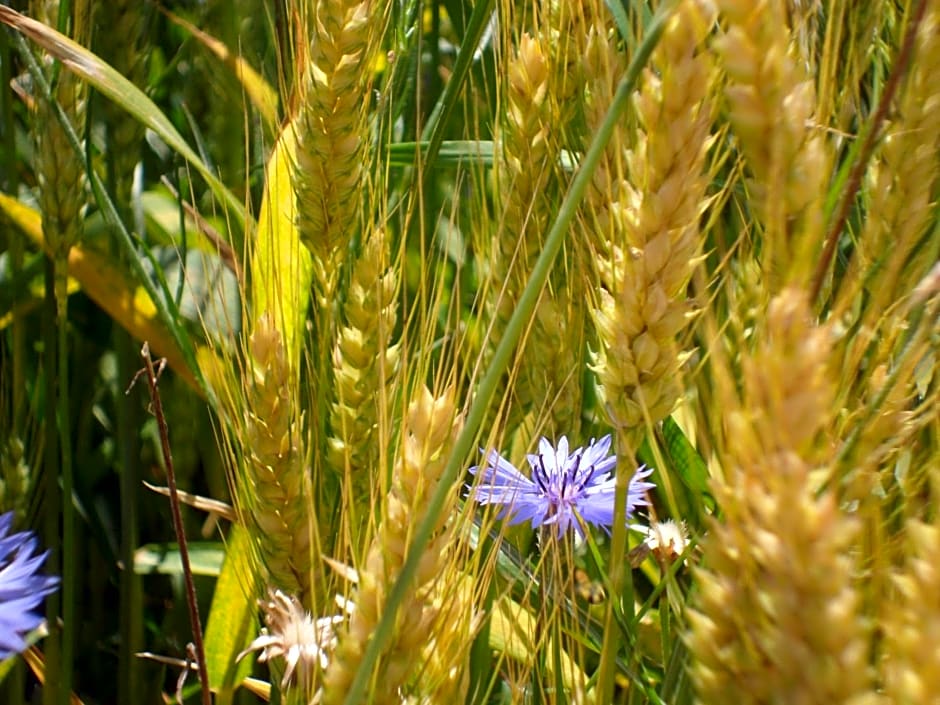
(22, 588)
(667, 540)
(563, 487)
(305, 643)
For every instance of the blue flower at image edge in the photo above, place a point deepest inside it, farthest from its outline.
(561, 488)
(22, 587)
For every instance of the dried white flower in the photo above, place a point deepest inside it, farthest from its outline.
(305, 643)
(666, 540)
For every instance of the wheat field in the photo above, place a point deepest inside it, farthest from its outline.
(496, 352)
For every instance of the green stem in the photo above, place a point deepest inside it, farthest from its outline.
(131, 611)
(492, 379)
(621, 583)
(63, 423)
(51, 526)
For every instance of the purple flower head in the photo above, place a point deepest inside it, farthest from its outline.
(562, 487)
(22, 588)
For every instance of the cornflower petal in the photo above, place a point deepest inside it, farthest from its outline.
(564, 486)
(22, 588)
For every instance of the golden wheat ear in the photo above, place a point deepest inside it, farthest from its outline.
(60, 173)
(653, 229)
(331, 133)
(911, 626)
(430, 427)
(771, 103)
(365, 364)
(275, 487)
(776, 617)
(547, 385)
(123, 45)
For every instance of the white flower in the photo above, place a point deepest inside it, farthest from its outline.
(304, 643)
(666, 540)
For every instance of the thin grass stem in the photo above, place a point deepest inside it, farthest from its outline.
(66, 468)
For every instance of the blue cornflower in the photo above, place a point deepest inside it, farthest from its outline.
(562, 487)
(22, 589)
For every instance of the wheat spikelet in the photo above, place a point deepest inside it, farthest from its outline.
(548, 366)
(523, 174)
(121, 39)
(276, 490)
(443, 676)
(429, 431)
(776, 616)
(364, 363)
(59, 171)
(803, 17)
(912, 625)
(331, 130)
(15, 473)
(886, 264)
(902, 184)
(565, 27)
(603, 65)
(771, 104)
(654, 229)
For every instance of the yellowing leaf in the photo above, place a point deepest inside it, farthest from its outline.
(281, 267)
(108, 287)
